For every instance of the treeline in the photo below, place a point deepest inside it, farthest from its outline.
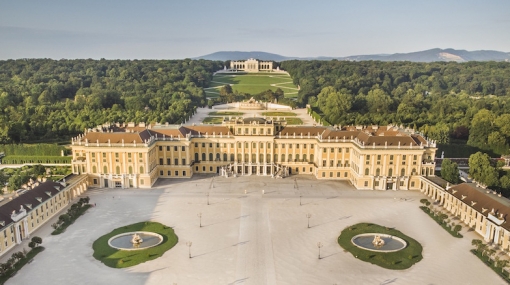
(49, 99)
(227, 94)
(442, 99)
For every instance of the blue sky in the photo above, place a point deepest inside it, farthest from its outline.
(179, 29)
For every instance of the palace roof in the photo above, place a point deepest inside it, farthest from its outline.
(28, 200)
(484, 201)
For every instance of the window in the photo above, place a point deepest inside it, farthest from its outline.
(210, 168)
(323, 174)
(338, 174)
(332, 150)
(183, 148)
(324, 150)
(376, 183)
(401, 183)
(345, 174)
(140, 155)
(404, 157)
(95, 183)
(168, 173)
(203, 156)
(377, 172)
(183, 161)
(176, 173)
(105, 169)
(290, 145)
(415, 157)
(196, 144)
(104, 155)
(160, 148)
(94, 169)
(175, 148)
(203, 168)
(403, 172)
(141, 169)
(130, 169)
(168, 161)
(210, 156)
(210, 144)
(161, 172)
(160, 161)
(390, 172)
(117, 170)
(366, 171)
(366, 184)
(297, 145)
(184, 173)
(323, 163)
(176, 161)
(346, 150)
(93, 155)
(412, 184)
(331, 163)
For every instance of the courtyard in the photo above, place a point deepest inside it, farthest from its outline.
(254, 231)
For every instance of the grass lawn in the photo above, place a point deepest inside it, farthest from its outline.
(115, 258)
(252, 83)
(441, 222)
(491, 264)
(226, 113)
(399, 260)
(279, 114)
(294, 121)
(11, 272)
(213, 120)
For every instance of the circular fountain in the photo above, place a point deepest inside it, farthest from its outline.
(379, 242)
(135, 240)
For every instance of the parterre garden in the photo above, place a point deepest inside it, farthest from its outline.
(252, 83)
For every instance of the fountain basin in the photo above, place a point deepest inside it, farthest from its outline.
(391, 243)
(123, 241)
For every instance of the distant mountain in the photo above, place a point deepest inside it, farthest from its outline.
(419, 56)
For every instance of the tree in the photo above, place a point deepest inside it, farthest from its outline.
(481, 126)
(37, 240)
(450, 171)
(333, 104)
(378, 101)
(477, 163)
(477, 243)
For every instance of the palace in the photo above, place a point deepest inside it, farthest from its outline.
(251, 65)
(373, 157)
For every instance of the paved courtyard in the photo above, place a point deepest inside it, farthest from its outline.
(254, 238)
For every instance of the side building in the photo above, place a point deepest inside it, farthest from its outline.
(27, 211)
(373, 157)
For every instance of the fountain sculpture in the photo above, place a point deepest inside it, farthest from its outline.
(378, 241)
(136, 240)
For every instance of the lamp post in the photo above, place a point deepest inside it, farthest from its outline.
(319, 245)
(189, 243)
(199, 215)
(308, 216)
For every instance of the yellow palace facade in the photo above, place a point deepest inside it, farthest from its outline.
(373, 157)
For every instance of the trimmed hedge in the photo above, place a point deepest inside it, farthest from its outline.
(32, 149)
(398, 260)
(22, 262)
(21, 159)
(491, 264)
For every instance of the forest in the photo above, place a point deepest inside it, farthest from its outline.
(444, 100)
(47, 100)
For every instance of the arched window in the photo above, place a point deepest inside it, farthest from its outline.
(304, 158)
(261, 157)
(232, 157)
(246, 158)
(253, 158)
(290, 158)
(141, 169)
(403, 172)
(117, 170)
(390, 172)
(377, 172)
(210, 156)
(94, 169)
(414, 171)
(130, 169)
(275, 158)
(105, 169)
(311, 158)
(239, 157)
(268, 158)
(196, 156)
(297, 157)
(224, 157)
(367, 171)
(283, 157)
(203, 156)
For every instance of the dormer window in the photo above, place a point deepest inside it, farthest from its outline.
(39, 199)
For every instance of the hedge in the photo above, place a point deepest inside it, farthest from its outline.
(32, 149)
(21, 159)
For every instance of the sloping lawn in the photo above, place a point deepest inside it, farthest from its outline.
(115, 258)
(399, 260)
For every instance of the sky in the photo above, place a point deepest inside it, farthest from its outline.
(172, 29)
